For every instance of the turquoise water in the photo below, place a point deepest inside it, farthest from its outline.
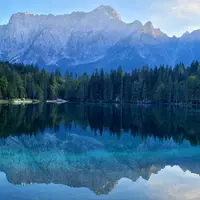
(79, 151)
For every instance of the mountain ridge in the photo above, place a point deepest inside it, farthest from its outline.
(96, 38)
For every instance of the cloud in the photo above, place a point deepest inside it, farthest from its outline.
(186, 8)
(176, 16)
(178, 8)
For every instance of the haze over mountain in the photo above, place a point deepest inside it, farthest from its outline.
(83, 41)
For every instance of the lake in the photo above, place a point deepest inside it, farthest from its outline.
(97, 152)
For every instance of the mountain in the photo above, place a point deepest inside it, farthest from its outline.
(83, 41)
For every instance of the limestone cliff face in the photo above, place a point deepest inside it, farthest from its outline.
(98, 38)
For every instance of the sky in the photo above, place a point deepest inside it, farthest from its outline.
(173, 17)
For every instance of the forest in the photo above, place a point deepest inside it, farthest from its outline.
(161, 84)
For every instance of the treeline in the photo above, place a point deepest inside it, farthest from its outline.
(165, 84)
(27, 81)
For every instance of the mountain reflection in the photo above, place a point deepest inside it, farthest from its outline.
(91, 162)
(95, 146)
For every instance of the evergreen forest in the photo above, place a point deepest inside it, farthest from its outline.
(162, 84)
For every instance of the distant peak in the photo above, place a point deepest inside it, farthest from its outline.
(185, 34)
(148, 28)
(137, 24)
(22, 13)
(109, 11)
(16, 16)
(104, 7)
(174, 37)
(149, 25)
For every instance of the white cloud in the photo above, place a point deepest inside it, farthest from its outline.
(186, 8)
(176, 16)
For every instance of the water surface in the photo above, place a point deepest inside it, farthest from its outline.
(91, 151)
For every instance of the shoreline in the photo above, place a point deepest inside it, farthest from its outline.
(60, 101)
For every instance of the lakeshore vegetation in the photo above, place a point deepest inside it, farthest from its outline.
(163, 84)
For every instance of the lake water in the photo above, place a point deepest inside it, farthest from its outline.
(97, 152)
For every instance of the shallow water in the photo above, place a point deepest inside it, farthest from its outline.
(90, 151)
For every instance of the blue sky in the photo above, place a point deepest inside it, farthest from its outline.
(173, 16)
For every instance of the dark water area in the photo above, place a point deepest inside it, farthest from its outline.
(96, 151)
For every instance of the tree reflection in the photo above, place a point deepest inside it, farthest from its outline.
(159, 122)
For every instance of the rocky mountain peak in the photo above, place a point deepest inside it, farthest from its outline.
(95, 37)
(109, 11)
(20, 17)
(148, 27)
(185, 34)
(137, 24)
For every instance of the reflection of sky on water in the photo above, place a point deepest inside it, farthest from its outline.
(69, 152)
(169, 183)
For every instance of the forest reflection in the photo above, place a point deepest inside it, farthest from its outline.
(159, 122)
